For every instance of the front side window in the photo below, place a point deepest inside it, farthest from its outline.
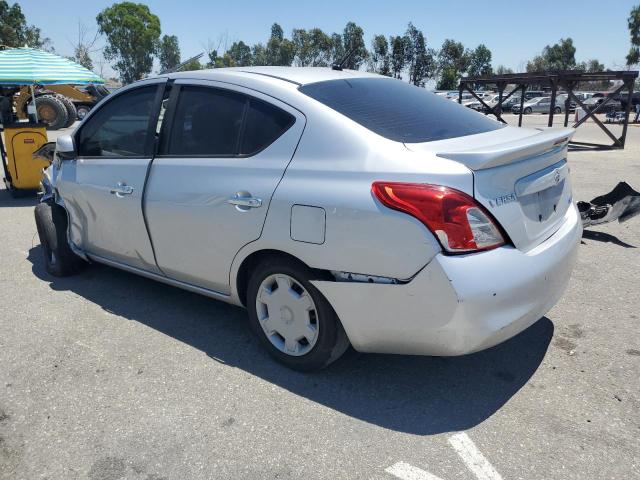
(399, 111)
(120, 127)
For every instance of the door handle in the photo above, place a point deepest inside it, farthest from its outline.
(246, 202)
(122, 188)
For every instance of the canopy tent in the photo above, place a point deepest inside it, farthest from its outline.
(27, 66)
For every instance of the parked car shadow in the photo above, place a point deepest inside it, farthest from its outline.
(419, 395)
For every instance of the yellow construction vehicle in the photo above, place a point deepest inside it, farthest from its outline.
(59, 106)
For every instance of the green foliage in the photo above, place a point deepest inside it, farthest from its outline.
(312, 47)
(480, 63)
(240, 54)
(132, 33)
(633, 57)
(14, 31)
(192, 64)
(453, 61)
(421, 61)
(279, 50)
(379, 59)
(353, 42)
(556, 57)
(169, 53)
(502, 70)
(398, 56)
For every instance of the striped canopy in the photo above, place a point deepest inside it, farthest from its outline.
(27, 66)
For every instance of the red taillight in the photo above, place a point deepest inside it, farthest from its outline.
(459, 223)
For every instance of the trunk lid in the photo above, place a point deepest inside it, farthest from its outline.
(520, 175)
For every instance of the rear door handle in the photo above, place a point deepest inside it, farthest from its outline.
(122, 188)
(247, 202)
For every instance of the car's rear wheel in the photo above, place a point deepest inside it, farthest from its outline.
(292, 319)
(51, 222)
(557, 110)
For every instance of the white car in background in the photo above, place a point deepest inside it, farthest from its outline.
(338, 207)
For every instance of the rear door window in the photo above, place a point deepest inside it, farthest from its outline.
(214, 122)
(399, 111)
(207, 122)
(264, 123)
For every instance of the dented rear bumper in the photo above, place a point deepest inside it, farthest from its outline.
(459, 304)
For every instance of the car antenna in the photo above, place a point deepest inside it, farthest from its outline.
(343, 60)
(179, 67)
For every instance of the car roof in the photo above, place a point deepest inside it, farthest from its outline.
(297, 75)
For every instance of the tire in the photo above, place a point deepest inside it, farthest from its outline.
(52, 112)
(527, 111)
(59, 259)
(82, 111)
(72, 112)
(557, 110)
(330, 340)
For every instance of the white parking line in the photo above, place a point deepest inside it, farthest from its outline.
(471, 456)
(404, 471)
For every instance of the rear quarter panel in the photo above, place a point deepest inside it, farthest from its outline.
(333, 168)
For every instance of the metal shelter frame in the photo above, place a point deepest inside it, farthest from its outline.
(568, 80)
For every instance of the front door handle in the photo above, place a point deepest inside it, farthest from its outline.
(246, 202)
(121, 188)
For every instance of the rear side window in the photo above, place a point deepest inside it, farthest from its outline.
(221, 123)
(399, 111)
(120, 127)
(207, 121)
(264, 123)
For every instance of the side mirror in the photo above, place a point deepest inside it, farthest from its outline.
(65, 147)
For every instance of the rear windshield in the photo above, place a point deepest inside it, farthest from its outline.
(399, 111)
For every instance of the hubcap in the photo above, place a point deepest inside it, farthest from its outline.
(287, 314)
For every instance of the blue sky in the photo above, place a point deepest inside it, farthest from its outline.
(514, 31)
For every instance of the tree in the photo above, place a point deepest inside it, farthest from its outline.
(132, 33)
(591, 66)
(14, 31)
(337, 48)
(192, 64)
(480, 63)
(312, 47)
(169, 53)
(353, 42)
(419, 59)
(559, 56)
(502, 70)
(633, 57)
(279, 50)
(240, 54)
(379, 60)
(398, 56)
(453, 61)
(84, 47)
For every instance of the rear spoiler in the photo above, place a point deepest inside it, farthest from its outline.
(499, 154)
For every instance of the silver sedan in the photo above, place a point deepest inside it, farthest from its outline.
(339, 207)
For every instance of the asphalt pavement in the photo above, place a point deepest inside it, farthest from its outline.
(108, 376)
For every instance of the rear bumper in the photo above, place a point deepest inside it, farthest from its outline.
(459, 304)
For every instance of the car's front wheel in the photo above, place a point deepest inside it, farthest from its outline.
(51, 222)
(292, 319)
(527, 110)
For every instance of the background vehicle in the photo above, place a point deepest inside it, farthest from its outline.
(337, 207)
(58, 105)
(537, 105)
